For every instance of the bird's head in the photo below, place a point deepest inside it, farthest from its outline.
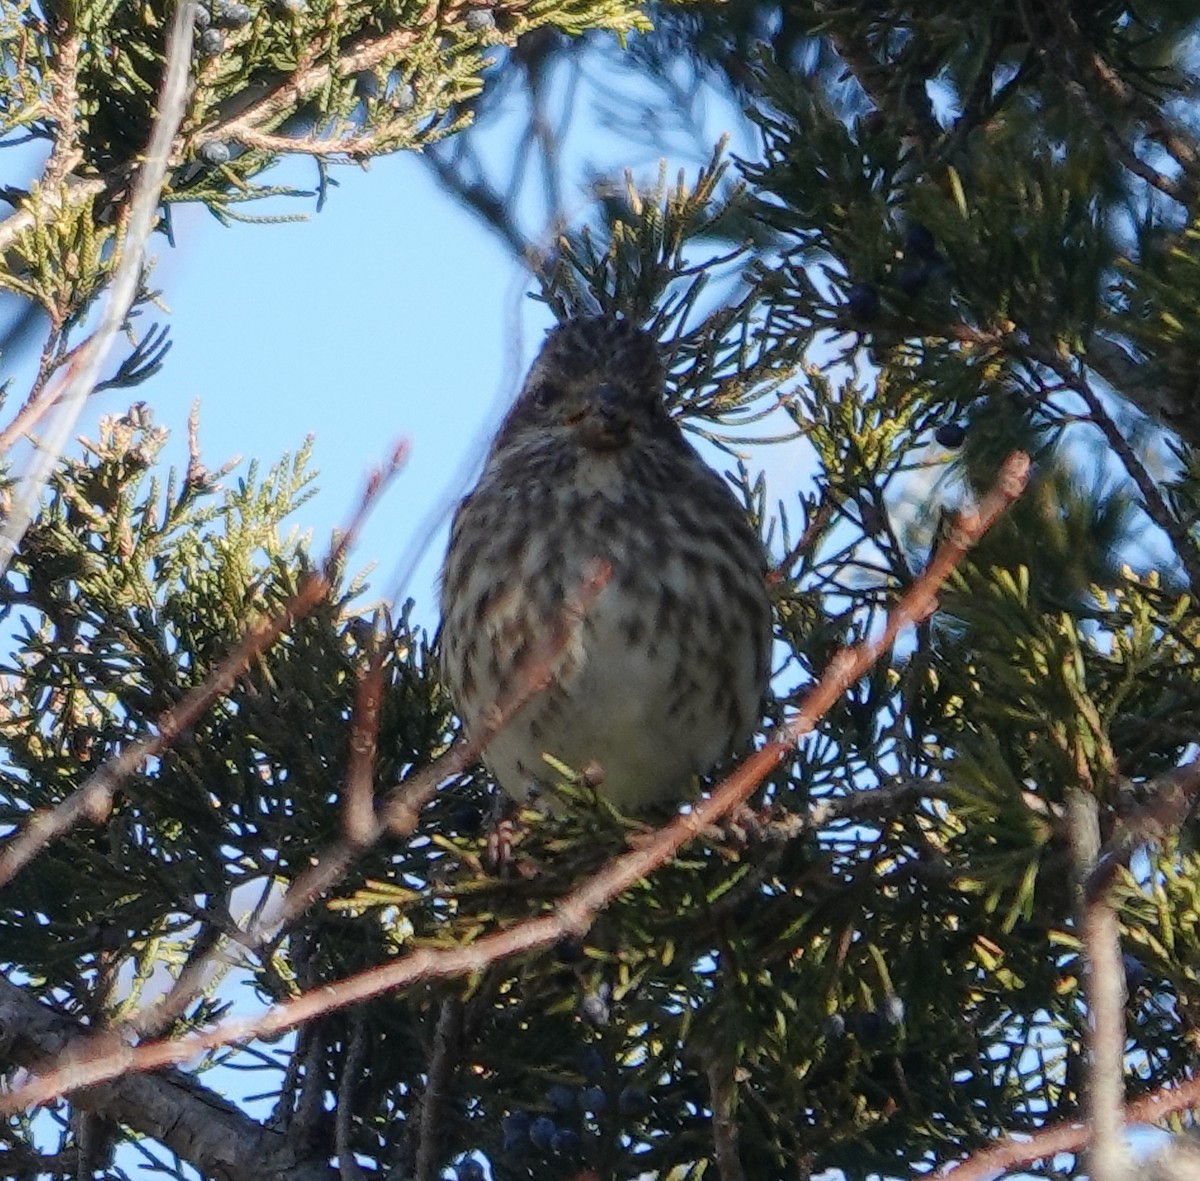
(597, 380)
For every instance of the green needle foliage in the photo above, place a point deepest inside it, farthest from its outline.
(962, 230)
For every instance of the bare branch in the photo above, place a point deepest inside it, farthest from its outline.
(815, 527)
(1132, 379)
(352, 1066)
(189, 1119)
(442, 1058)
(358, 148)
(1105, 990)
(1011, 1153)
(71, 386)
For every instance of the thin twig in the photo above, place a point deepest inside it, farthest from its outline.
(71, 386)
(816, 526)
(53, 355)
(1155, 503)
(109, 1056)
(356, 1055)
(1011, 1153)
(443, 1057)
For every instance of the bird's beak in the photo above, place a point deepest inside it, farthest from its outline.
(601, 423)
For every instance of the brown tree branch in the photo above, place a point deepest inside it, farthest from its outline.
(251, 124)
(1104, 987)
(352, 1065)
(309, 78)
(358, 148)
(1013, 1153)
(443, 1058)
(192, 1121)
(63, 108)
(822, 515)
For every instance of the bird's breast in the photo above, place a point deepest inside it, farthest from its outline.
(663, 671)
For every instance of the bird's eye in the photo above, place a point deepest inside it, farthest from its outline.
(546, 394)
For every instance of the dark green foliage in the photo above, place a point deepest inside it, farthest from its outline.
(128, 593)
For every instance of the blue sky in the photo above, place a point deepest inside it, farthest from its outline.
(388, 315)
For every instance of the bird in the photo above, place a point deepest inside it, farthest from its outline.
(663, 674)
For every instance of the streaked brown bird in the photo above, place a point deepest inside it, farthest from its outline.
(664, 674)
